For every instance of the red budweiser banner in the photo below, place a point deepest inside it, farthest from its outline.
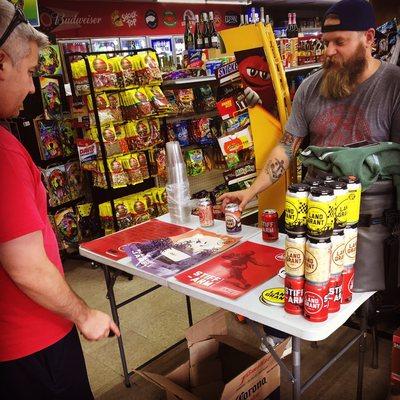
(107, 19)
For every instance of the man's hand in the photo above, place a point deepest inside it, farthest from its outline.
(251, 97)
(96, 325)
(241, 197)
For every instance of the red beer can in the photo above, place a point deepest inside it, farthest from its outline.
(294, 293)
(270, 231)
(335, 292)
(316, 301)
(347, 285)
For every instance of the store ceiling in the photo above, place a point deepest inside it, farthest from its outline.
(266, 2)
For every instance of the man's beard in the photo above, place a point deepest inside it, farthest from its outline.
(340, 78)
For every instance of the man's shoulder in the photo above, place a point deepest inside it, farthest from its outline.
(312, 81)
(390, 75)
(8, 142)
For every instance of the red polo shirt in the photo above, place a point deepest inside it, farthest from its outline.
(25, 326)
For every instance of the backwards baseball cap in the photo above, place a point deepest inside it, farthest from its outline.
(353, 15)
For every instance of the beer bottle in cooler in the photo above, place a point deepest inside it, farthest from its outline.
(262, 15)
(241, 20)
(214, 40)
(198, 38)
(206, 33)
(189, 39)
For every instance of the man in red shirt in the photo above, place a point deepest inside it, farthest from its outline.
(40, 352)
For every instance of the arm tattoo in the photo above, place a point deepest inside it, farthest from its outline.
(275, 168)
(291, 144)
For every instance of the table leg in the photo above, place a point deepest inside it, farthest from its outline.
(361, 349)
(189, 310)
(110, 281)
(296, 368)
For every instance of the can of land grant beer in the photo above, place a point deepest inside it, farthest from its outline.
(335, 292)
(316, 301)
(347, 284)
(317, 262)
(341, 203)
(350, 245)
(296, 208)
(295, 248)
(233, 218)
(338, 243)
(294, 292)
(354, 202)
(321, 212)
(205, 212)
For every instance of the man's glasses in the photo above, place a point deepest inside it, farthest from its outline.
(17, 19)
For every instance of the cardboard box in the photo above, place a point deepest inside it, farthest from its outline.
(395, 375)
(224, 363)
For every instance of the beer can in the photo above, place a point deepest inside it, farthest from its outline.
(233, 218)
(296, 208)
(317, 262)
(295, 248)
(350, 245)
(294, 292)
(341, 203)
(338, 243)
(316, 301)
(335, 292)
(206, 215)
(321, 212)
(347, 284)
(270, 229)
(354, 202)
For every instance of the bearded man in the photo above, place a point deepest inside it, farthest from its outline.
(353, 100)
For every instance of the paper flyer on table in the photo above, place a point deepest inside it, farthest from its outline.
(236, 271)
(168, 256)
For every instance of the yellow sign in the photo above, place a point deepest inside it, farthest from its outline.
(273, 296)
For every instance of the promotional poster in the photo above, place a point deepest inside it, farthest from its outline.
(236, 271)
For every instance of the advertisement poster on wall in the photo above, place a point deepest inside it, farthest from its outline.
(30, 8)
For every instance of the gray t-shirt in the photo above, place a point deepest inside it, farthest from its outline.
(371, 113)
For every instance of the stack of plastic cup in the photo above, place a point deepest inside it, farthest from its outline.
(177, 187)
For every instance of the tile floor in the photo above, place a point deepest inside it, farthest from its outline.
(158, 320)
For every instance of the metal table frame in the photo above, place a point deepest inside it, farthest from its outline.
(111, 275)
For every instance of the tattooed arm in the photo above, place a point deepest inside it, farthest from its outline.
(277, 163)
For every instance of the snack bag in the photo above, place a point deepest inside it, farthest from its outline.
(205, 99)
(114, 64)
(143, 165)
(103, 108)
(80, 78)
(151, 68)
(172, 101)
(99, 176)
(143, 139)
(201, 131)
(158, 99)
(151, 204)
(100, 71)
(155, 130)
(171, 137)
(161, 161)
(131, 166)
(121, 138)
(128, 72)
(123, 214)
(130, 109)
(141, 213)
(88, 221)
(185, 98)
(111, 143)
(181, 131)
(145, 109)
(118, 176)
(75, 179)
(114, 105)
(162, 203)
(87, 152)
(106, 219)
(195, 162)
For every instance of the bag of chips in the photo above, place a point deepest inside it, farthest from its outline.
(106, 218)
(143, 165)
(195, 162)
(131, 166)
(123, 213)
(118, 176)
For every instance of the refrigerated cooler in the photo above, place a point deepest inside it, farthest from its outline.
(169, 49)
(105, 44)
(133, 43)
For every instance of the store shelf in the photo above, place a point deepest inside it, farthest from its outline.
(177, 118)
(303, 67)
(189, 81)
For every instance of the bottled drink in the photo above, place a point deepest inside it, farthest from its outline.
(246, 19)
(267, 19)
(214, 40)
(262, 17)
(189, 39)
(241, 20)
(253, 15)
(198, 38)
(292, 29)
(206, 33)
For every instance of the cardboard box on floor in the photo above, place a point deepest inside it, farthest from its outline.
(224, 363)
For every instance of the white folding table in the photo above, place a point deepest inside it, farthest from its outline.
(249, 306)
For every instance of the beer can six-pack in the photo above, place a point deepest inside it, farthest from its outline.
(321, 245)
